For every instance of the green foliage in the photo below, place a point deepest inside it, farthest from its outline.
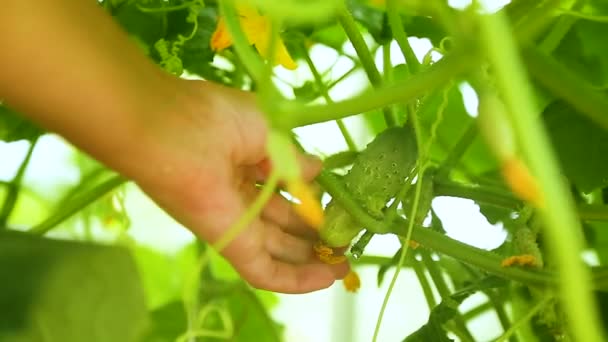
(446, 311)
(66, 291)
(581, 146)
(88, 292)
(14, 127)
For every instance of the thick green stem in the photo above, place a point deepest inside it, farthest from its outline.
(296, 114)
(79, 203)
(482, 259)
(396, 25)
(367, 60)
(14, 187)
(562, 229)
(482, 194)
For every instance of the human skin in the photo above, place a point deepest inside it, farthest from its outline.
(196, 148)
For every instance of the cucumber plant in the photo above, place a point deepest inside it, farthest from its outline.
(534, 159)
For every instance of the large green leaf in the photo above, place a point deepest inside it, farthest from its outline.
(584, 49)
(580, 145)
(60, 291)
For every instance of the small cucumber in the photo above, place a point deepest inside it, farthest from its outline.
(377, 175)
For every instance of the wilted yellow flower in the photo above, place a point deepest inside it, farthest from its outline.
(520, 260)
(521, 182)
(257, 28)
(326, 254)
(309, 208)
(351, 282)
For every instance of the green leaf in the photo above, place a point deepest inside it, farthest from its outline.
(245, 311)
(580, 145)
(15, 127)
(373, 19)
(446, 310)
(451, 126)
(168, 322)
(307, 92)
(423, 27)
(584, 50)
(64, 291)
(196, 54)
(146, 27)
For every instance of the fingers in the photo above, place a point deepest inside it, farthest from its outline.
(280, 212)
(310, 166)
(278, 276)
(286, 247)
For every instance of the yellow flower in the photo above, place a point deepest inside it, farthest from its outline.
(309, 208)
(351, 282)
(257, 28)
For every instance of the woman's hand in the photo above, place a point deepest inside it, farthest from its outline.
(196, 148)
(209, 150)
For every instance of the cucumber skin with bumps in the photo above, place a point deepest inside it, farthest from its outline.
(377, 175)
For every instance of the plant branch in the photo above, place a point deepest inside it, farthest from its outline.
(482, 194)
(437, 75)
(482, 259)
(396, 25)
(14, 187)
(367, 60)
(79, 203)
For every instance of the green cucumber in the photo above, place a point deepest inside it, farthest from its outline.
(377, 175)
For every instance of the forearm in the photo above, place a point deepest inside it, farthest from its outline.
(66, 65)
